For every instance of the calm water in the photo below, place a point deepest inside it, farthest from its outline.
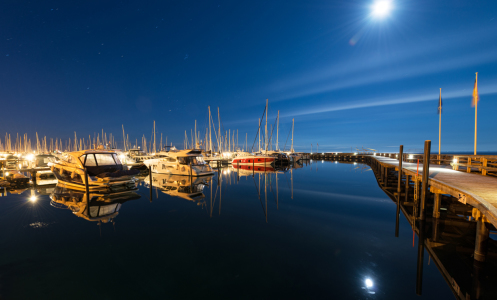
(253, 238)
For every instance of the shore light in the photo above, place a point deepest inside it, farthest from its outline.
(369, 283)
(411, 156)
(454, 160)
(32, 198)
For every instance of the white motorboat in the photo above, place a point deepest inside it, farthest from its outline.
(105, 171)
(184, 162)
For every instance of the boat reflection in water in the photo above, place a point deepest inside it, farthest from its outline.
(102, 208)
(186, 187)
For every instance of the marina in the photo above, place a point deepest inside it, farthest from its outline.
(248, 150)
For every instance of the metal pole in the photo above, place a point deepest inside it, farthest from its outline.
(426, 173)
(439, 126)
(476, 106)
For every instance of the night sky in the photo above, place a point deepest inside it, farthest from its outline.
(349, 79)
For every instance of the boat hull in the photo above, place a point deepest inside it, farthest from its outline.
(253, 160)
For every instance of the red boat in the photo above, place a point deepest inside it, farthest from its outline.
(253, 160)
(256, 168)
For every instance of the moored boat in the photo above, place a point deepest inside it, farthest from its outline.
(105, 171)
(184, 162)
(254, 160)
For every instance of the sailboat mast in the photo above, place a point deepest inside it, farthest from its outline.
(259, 135)
(277, 129)
(155, 148)
(265, 136)
(219, 129)
(210, 133)
(293, 123)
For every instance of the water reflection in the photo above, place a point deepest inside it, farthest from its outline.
(92, 207)
(319, 236)
(186, 187)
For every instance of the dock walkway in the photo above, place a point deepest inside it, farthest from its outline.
(476, 190)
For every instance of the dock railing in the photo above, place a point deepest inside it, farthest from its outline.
(484, 164)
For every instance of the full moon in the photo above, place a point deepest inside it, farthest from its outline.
(381, 8)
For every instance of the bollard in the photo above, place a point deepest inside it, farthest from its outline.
(426, 173)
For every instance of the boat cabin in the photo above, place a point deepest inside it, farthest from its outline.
(97, 163)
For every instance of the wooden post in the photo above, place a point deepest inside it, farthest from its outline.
(484, 165)
(426, 173)
(436, 205)
(406, 188)
(421, 252)
(401, 151)
(482, 236)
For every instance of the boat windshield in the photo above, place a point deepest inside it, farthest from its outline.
(191, 160)
(104, 210)
(136, 152)
(99, 159)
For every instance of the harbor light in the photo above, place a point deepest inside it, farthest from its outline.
(369, 283)
(411, 156)
(6, 173)
(30, 157)
(355, 153)
(32, 198)
(454, 160)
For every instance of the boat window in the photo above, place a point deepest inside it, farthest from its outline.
(116, 158)
(82, 159)
(105, 159)
(104, 210)
(171, 159)
(90, 161)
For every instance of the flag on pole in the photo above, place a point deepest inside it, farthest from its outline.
(440, 104)
(476, 98)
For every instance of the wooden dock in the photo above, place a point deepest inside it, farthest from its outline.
(476, 190)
